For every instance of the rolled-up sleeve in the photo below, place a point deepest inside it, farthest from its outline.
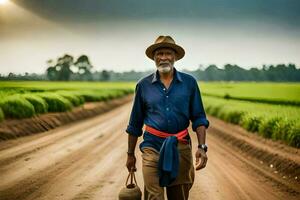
(198, 116)
(136, 120)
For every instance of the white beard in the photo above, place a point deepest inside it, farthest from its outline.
(164, 69)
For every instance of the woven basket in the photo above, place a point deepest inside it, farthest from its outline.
(130, 191)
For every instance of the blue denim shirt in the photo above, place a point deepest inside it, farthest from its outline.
(169, 110)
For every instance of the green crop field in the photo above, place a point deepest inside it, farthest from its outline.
(47, 85)
(273, 93)
(270, 109)
(26, 99)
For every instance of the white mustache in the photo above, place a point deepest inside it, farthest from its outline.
(164, 63)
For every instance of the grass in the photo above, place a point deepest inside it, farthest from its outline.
(271, 121)
(16, 106)
(271, 93)
(271, 110)
(22, 99)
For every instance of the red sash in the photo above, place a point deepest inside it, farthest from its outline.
(180, 135)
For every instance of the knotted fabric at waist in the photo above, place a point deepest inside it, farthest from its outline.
(168, 163)
(180, 135)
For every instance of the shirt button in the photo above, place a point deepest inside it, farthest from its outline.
(164, 89)
(167, 96)
(167, 109)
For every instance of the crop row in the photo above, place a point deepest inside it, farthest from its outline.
(28, 104)
(270, 121)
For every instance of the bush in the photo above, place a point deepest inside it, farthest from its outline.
(75, 99)
(91, 97)
(101, 95)
(251, 123)
(111, 94)
(268, 126)
(215, 110)
(234, 116)
(56, 103)
(39, 104)
(278, 123)
(281, 129)
(221, 114)
(293, 136)
(128, 91)
(227, 96)
(1, 115)
(118, 93)
(208, 109)
(106, 95)
(17, 107)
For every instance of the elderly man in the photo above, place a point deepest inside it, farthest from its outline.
(165, 102)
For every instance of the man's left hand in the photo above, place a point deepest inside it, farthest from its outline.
(200, 155)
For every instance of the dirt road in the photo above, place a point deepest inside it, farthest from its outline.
(86, 160)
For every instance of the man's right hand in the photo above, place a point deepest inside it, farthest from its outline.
(130, 164)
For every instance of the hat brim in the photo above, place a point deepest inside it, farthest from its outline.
(179, 51)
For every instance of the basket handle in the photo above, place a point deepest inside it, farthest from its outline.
(132, 177)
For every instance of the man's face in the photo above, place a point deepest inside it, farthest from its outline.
(164, 59)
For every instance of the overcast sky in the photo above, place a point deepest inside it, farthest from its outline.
(115, 34)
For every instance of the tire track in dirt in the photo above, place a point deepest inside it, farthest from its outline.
(81, 175)
(13, 151)
(227, 176)
(115, 180)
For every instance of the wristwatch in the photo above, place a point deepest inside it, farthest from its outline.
(203, 146)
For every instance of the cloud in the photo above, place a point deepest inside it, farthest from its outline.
(115, 34)
(75, 11)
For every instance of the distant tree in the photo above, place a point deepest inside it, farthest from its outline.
(213, 73)
(84, 68)
(52, 73)
(234, 73)
(66, 69)
(255, 74)
(49, 62)
(63, 64)
(11, 76)
(61, 69)
(292, 72)
(105, 75)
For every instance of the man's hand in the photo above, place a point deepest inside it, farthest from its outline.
(200, 155)
(130, 164)
(131, 160)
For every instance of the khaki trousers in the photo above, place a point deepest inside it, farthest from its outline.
(179, 189)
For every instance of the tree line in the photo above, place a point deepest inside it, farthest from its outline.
(67, 68)
(232, 72)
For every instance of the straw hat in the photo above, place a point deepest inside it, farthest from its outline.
(167, 42)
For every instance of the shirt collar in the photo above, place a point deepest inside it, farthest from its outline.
(177, 76)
